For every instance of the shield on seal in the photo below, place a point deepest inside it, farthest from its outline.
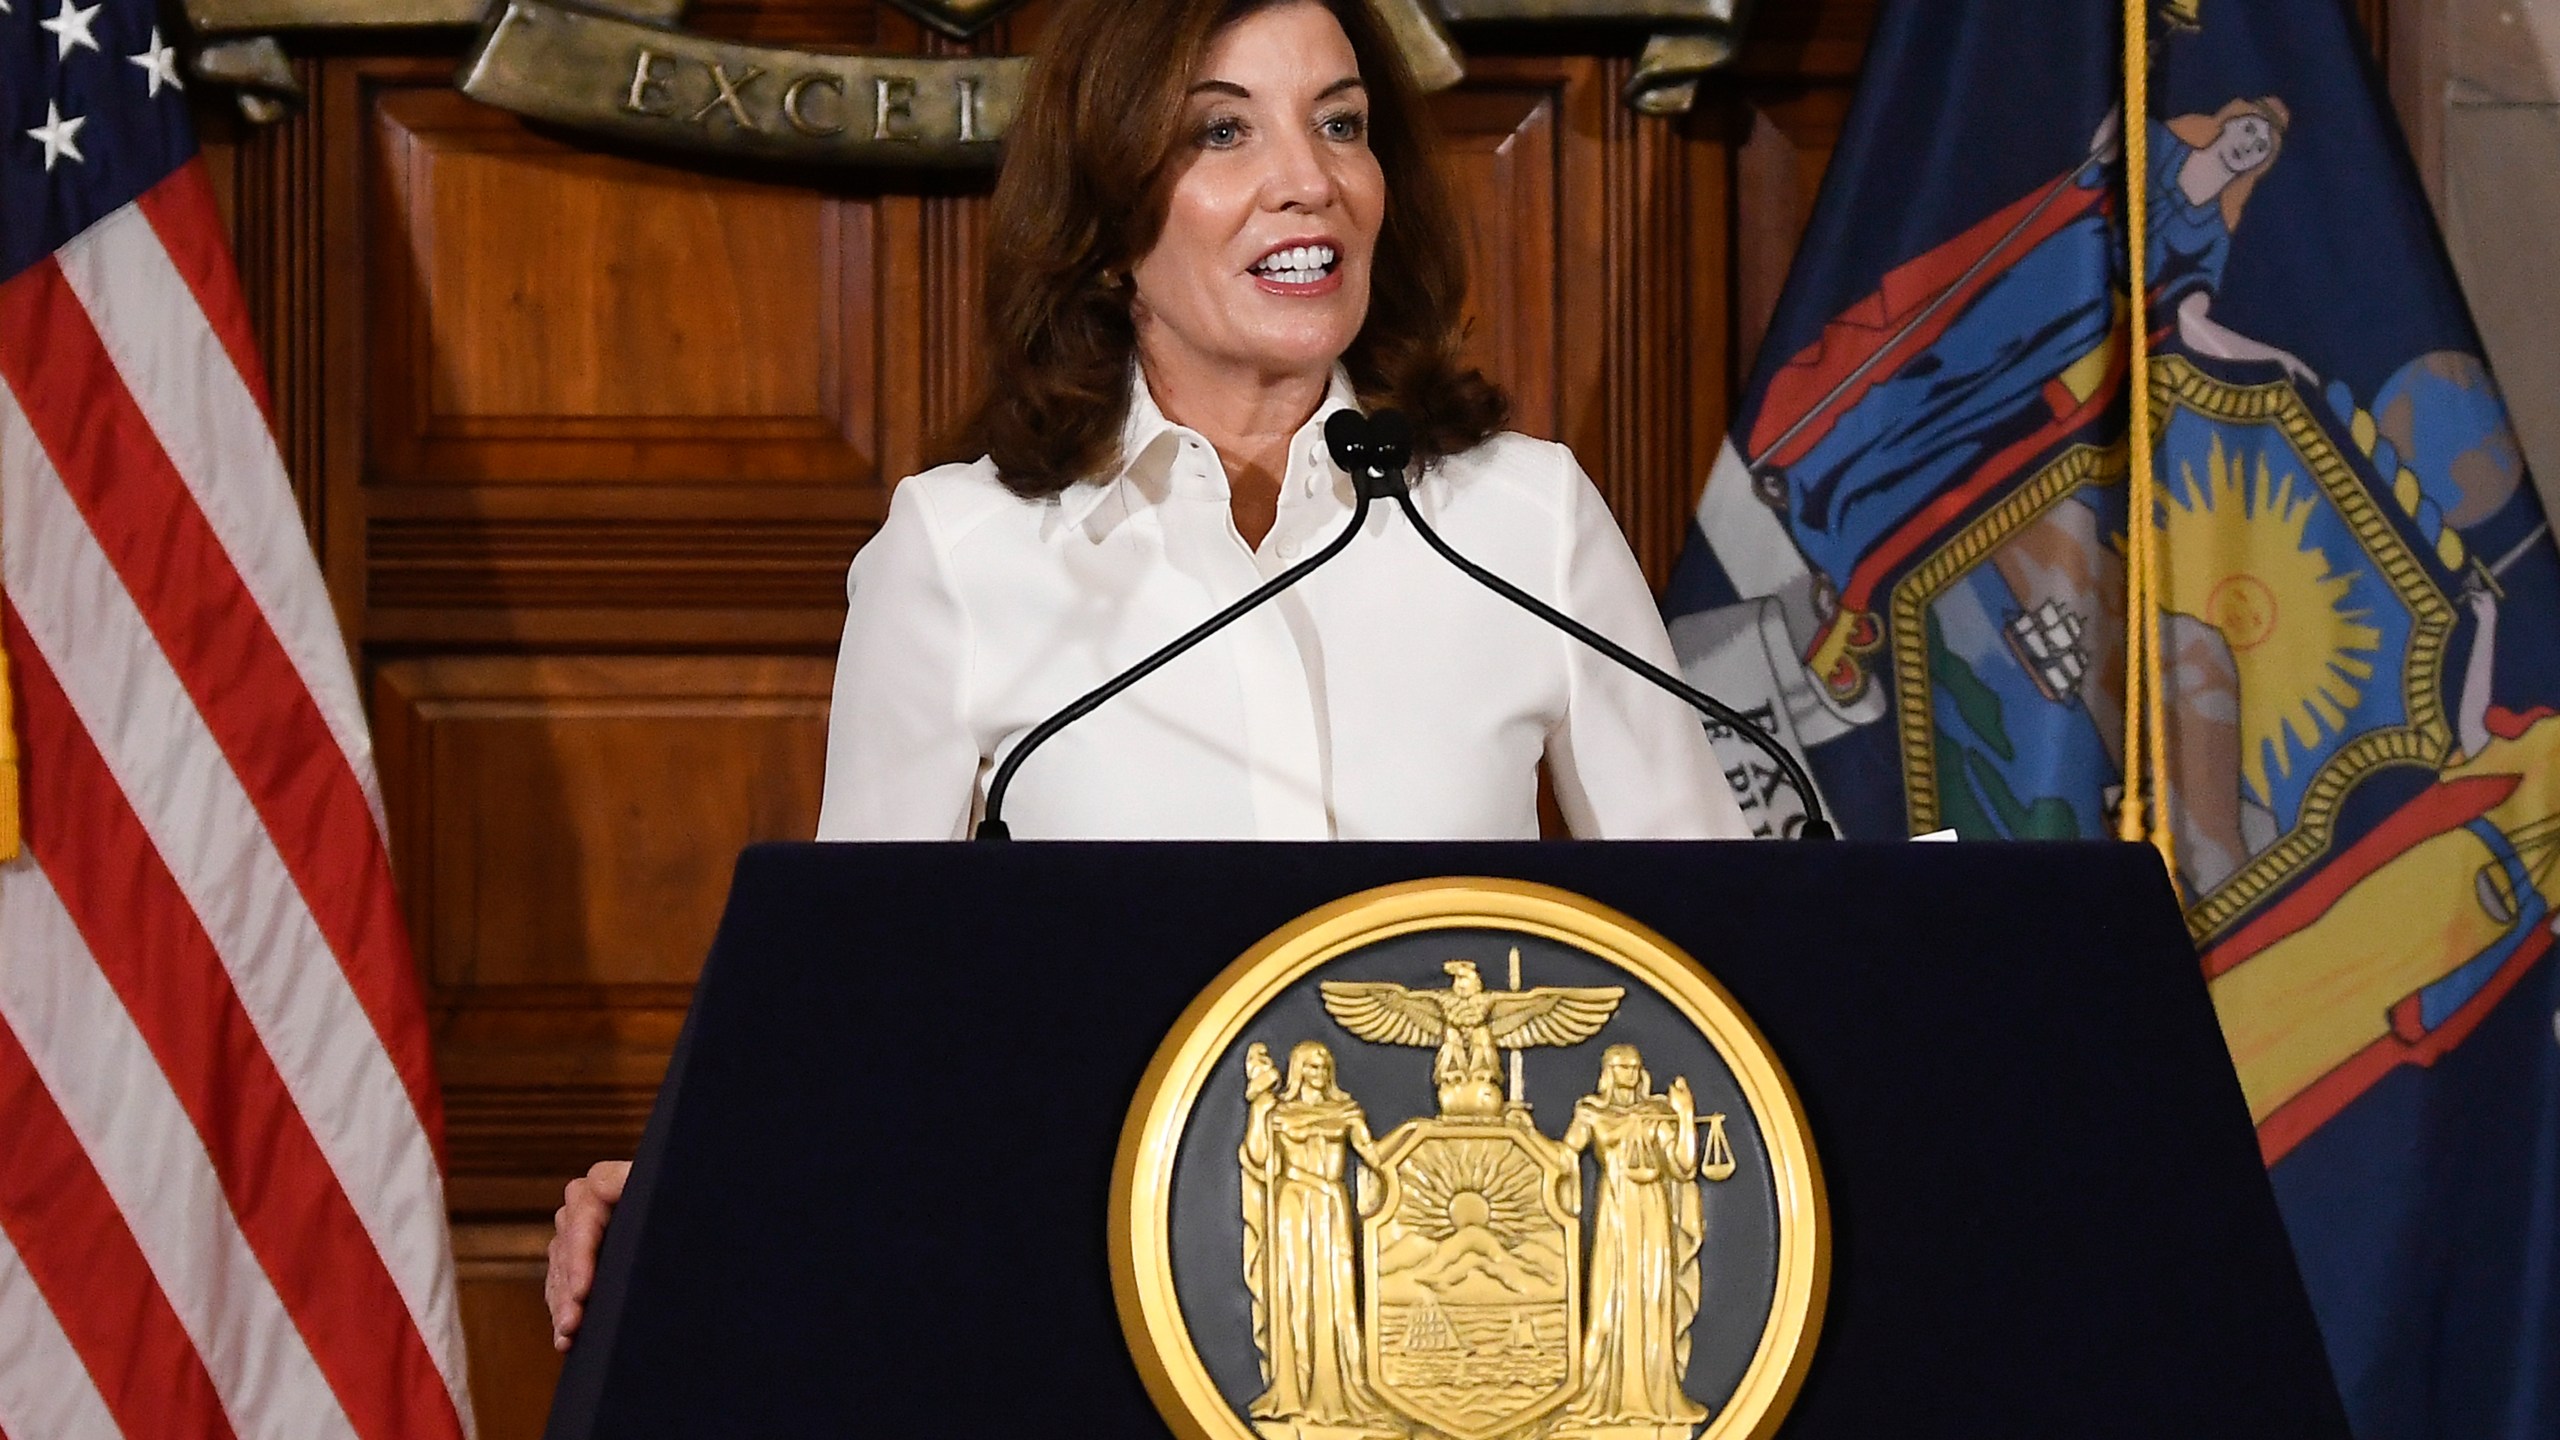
(1473, 1277)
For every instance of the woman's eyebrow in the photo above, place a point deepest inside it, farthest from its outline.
(1229, 87)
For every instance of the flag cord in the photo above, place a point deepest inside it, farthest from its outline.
(2143, 813)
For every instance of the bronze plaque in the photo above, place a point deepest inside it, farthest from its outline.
(675, 90)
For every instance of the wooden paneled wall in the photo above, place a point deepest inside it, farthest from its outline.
(586, 441)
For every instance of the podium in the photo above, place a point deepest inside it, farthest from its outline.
(872, 1197)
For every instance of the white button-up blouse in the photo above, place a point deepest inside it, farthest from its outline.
(1386, 696)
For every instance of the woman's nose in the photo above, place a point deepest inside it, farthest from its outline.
(1299, 178)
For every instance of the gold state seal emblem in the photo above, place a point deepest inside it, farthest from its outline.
(1318, 1237)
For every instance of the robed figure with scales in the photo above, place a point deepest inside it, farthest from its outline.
(1646, 1230)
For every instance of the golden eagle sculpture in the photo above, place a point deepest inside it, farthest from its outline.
(1470, 1023)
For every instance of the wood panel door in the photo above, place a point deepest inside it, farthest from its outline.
(587, 440)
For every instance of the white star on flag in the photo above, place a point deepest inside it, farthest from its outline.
(56, 133)
(70, 27)
(159, 62)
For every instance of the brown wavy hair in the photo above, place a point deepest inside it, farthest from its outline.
(1088, 168)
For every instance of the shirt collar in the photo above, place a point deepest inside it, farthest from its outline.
(1150, 442)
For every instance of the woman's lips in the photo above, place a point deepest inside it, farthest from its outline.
(1309, 265)
(1324, 284)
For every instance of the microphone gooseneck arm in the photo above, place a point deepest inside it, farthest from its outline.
(1374, 450)
(1392, 434)
(991, 825)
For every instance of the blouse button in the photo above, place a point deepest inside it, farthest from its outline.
(1288, 549)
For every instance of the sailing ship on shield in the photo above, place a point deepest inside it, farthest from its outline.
(1444, 1280)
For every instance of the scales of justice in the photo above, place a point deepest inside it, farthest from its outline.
(1436, 1281)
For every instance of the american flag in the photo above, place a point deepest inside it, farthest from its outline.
(221, 1200)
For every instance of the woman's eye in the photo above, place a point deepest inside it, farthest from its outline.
(1221, 134)
(1349, 125)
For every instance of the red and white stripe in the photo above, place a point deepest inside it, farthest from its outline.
(223, 1198)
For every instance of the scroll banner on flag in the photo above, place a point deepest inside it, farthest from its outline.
(1910, 554)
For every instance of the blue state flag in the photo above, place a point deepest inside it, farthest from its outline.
(1910, 560)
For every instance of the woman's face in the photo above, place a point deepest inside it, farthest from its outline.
(2245, 143)
(1262, 269)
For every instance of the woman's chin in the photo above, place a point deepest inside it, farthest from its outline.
(1302, 350)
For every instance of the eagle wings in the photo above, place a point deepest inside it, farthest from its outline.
(1385, 1013)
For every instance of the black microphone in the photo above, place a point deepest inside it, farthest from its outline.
(1384, 441)
(1371, 476)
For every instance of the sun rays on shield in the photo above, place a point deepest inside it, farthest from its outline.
(1487, 1184)
(2241, 559)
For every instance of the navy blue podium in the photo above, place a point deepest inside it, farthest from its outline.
(872, 1198)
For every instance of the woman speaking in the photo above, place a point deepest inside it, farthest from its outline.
(1217, 223)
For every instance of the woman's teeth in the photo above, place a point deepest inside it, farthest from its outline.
(1297, 265)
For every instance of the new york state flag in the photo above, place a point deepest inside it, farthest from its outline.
(1912, 561)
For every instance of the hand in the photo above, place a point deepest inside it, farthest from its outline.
(2103, 141)
(2483, 605)
(1681, 1099)
(578, 1233)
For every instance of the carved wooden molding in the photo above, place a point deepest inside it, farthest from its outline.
(428, 562)
(541, 1129)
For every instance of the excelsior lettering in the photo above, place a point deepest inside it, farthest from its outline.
(907, 108)
(645, 80)
(797, 111)
(727, 98)
(893, 107)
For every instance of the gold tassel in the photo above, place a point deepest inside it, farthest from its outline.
(2143, 812)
